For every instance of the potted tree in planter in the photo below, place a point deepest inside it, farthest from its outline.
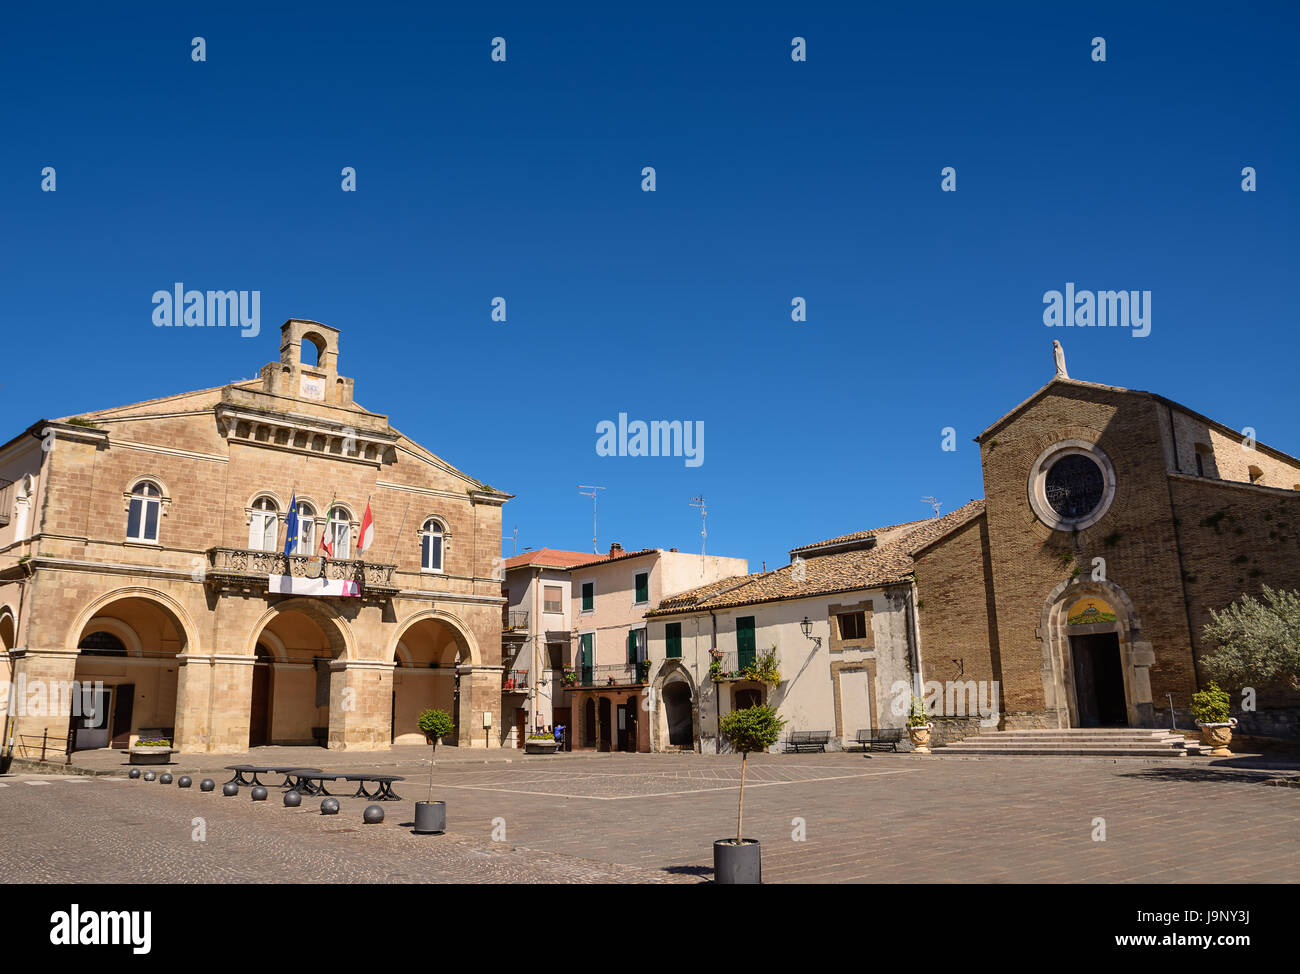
(431, 816)
(739, 860)
(919, 726)
(1210, 710)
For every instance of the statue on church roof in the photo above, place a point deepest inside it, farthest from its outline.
(1058, 355)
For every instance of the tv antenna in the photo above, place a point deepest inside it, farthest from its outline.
(933, 502)
(704, 533)
(583, 490)
(514, 537)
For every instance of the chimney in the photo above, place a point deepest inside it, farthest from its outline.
(615, 549)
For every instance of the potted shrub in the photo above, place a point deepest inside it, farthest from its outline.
(431, 816)
(153, 750)
(919, 726)
(739, 860)
(643, 670)
(1210, 710)
(569, 677)
(540, 743)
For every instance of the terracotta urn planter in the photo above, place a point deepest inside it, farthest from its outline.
(920, 738)
(1218, 736)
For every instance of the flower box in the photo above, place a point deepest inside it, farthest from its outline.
(151, 755)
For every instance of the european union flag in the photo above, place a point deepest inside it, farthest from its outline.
(291, 522)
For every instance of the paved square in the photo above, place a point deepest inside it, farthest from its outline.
(653, 818)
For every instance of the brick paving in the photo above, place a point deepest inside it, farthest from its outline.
(652, 818)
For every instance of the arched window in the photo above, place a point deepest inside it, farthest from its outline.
(431, 545)
(338, 533)
(264, 526)
(143, 512)
(306, 529)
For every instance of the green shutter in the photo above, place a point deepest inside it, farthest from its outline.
(643, 587)
(631, 645)
(745, 647)
(673, 636)
(587, 673)
(588, 596)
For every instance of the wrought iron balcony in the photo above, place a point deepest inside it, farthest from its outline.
(514, 620)
(515, 681)
(243, 568)
(608, 675)
(731, 666)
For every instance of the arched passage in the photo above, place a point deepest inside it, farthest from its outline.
(294, 646)
(426, 654)
(677, 713)
(8, 633)
(126, 671)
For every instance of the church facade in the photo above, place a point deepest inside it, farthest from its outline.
(207, 558)
(1114, 522)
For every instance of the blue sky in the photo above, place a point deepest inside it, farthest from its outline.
(775, 179)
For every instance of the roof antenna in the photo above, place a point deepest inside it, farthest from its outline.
(704, 533)
(933, 502)
(582, 489)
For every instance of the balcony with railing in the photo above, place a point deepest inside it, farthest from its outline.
(246, 569)
(731, 666)
(514, 620)
(515, 681)
(606, 675)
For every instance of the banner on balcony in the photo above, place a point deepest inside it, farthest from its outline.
(293, 585)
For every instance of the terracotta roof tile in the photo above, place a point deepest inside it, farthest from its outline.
(889, 561)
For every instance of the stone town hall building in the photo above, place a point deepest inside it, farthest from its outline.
(143, 546)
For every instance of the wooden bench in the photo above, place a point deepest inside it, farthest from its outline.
(800, 741)
(885, 739)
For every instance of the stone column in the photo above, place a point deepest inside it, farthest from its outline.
(361, 705)
(193, 692)
(231, 696)
(43, 699)
(480, 692)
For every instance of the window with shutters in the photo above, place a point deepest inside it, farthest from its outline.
(553, 598)
(746, 650)
(853, 625)
(588, 596)
(673, 640)
(642, 587)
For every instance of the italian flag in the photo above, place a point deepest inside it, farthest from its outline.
(367, 531)
(328, 546)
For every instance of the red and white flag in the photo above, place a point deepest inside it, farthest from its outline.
(367, 537)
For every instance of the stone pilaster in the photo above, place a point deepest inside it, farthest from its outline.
(480, 692)
(193, 693)
(361, 705)
(231, 707)
(43, 699)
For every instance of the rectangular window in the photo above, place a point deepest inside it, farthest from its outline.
(555, 652)
(552, 596)
(636, 644)
(673, 640)
(853, 625)
(642, 587)
(746, 652)
(588, 596)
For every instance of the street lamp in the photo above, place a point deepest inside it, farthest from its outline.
(806, 626)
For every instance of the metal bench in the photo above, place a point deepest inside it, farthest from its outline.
(800, 741)
(884, 739)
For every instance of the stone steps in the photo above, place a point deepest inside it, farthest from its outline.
(1102, 742)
